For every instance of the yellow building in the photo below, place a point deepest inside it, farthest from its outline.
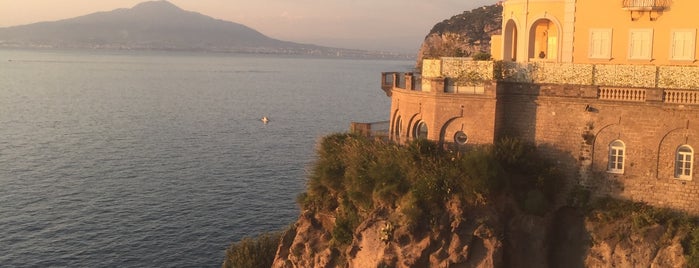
(648, 32)
(607, 89)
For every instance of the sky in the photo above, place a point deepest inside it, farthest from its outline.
(387, 25)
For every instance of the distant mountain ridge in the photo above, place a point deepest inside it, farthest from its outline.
(158, 25)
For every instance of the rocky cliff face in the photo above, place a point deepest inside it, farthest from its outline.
(463, 35)
(375, 204)
(467, 239)
(486, 236)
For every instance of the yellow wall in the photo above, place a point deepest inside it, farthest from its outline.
(610, 14)
(531, 15)
(572, 31)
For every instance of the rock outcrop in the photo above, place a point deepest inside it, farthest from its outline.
(485, 236)
(375, 204)
(463, 35)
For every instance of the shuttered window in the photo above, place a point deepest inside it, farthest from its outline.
(600, 44)
(683, 44)
(641, 44)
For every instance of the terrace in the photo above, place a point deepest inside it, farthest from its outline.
(633, 83)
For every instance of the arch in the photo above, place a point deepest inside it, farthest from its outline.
(510, 41)
(412, 122)
(660, 145)
(684, 161)
(398, 128)
(443, 131)
(420, 131)
(544, 39)
(395, 127)
(594, 141)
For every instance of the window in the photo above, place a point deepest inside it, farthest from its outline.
(460, 137)
(600, 44)
(641, 44)
(683, 162)
(398, 127)
(683, 44)
(616, 157)
(420, 131)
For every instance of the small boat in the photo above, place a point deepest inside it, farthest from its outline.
(265, 119)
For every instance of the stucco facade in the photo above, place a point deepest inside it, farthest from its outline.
(621, 126)
(649, 32)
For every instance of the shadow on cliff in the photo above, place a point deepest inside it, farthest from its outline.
(569, 240)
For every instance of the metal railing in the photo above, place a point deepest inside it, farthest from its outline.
(646, 4)
(373, 129)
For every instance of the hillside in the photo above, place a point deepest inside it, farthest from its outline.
(463, 35)
(159, 25)
(374, 204)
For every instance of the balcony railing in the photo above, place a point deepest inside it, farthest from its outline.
(645, 4)
(373, 129)
(622, 94)
(681, 96)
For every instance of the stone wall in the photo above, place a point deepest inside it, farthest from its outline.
(651, 131)
(615, 75)
(573, 127)
(572, 112)
(444, 114)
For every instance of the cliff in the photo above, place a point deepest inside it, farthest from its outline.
(463, 35)
(372, 204)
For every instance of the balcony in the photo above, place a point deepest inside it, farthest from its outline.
(645, 5)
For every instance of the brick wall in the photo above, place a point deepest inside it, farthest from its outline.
(574, 128)
(445, 114)
(556, 119)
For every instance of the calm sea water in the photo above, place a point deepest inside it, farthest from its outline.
(152, 159)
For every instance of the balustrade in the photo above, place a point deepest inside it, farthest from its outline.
(681, 96)
(622, 94)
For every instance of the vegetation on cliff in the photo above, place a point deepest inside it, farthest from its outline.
(354, 176)
(253, 252)
(370, 203)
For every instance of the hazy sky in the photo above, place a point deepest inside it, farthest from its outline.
(397, 25)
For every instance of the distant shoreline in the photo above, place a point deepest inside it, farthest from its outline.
(368, 55)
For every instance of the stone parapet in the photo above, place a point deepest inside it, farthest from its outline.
(606, 75)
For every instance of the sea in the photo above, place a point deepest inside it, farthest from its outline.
(160, 159)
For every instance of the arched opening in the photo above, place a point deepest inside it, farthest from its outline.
(543, 40)
(420, 130)
(397, 128)
(510, 46)
(684, 160)
(617, 156)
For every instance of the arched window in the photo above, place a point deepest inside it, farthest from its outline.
(420, 131)
(397, 127)
(683, 162)
(617, 151)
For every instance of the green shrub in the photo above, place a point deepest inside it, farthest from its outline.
(411, 211)
(691, 247)
(512, 153)
(253, 252)
(342, 233)
(480, 56)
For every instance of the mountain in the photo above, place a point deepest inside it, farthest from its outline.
(463, 35)
(158, 25)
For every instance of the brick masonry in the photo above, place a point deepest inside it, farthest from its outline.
(572, 127)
